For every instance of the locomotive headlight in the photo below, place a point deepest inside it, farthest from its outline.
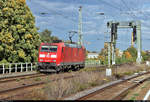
(41, 59)
(54, 60)
(42, 55)
(53, 56)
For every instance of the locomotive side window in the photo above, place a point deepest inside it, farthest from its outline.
(49, 49)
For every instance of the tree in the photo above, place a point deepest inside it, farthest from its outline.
(132, 50)
(19, 39)
(93, 52)
(145, 56)
(104, 51)
(128, 55)
(103, 55)
(46, 36)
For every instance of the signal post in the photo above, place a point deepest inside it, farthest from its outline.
(136, 25)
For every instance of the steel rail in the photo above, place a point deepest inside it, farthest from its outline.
(20, 77)
(30, 85)
(123, 93)
(11, 79)
(27, 74)
(17, 75)
(44, 82)
(90, 93)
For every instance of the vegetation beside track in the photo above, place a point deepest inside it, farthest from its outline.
(128, 55)
(88, 78)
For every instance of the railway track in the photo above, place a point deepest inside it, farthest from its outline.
(6, 92)
(13, 78)
(116, 90)
(25, 85)
(9, 77)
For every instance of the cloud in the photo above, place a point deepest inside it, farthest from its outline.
(91, 32)
(94, 32)
(63, 16)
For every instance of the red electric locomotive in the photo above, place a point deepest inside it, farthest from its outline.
(54, 57)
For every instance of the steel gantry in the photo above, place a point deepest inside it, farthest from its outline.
(136, 25)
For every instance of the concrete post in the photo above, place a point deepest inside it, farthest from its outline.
(113, 54)
(9, 68)
(31, 66)
(26, 67)
(3, 68)
(114, 60)
(16, 67)
(108, 70)
(21, 67)
(109, 54)
(139, 43)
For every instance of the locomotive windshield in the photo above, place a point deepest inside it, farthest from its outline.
(49, 49)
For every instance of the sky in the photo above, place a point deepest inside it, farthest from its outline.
(61, 16)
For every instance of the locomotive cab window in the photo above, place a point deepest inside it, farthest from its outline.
(49, 49)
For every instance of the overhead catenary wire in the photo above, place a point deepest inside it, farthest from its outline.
(132, 14)
(118, 8)
(54, 12)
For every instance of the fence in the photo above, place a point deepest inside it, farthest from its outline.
(17, 67)
(25, 67)
(92, 62)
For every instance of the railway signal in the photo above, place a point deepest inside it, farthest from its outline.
(136, 25)
(114, 30)
(134, 34)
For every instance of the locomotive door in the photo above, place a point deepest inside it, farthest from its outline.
(63, 55)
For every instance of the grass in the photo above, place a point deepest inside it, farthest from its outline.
(127, 73)
(17, 80)
(91, 69)
(36, 94)
(61, 88)
(143, 87)
(37, 79)
(136, 94)
(93, 84)
(132, 98)
(81, 87)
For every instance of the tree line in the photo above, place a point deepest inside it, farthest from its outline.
(19, 37)
(126, 56)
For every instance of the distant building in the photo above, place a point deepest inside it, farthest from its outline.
(120, 53)
(92, 55)
(148, 51)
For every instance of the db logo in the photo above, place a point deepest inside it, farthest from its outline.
(48, 55)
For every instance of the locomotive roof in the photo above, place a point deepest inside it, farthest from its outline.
(74, 45)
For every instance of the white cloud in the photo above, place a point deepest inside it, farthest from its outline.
(87, 22)
(93, 32)
(63, 16)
